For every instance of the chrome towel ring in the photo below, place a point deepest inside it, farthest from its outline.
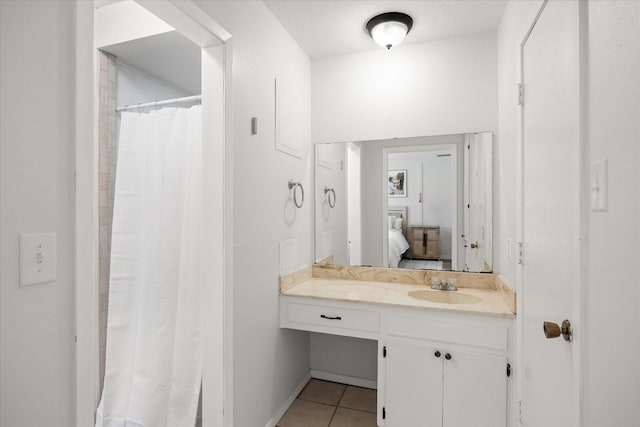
(328, 192)
(295, 185)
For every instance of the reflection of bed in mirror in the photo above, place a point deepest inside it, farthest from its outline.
(397, 230)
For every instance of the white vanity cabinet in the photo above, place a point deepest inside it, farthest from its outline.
(424, 388)
(412, 392)
(435, 368)
(438, 372)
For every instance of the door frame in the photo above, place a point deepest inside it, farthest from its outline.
(186, 17)
(583, 180)
(351, 147)
(454, 199)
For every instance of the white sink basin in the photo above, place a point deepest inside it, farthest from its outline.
(445, 297)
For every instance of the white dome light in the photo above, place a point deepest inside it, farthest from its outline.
(389, 29)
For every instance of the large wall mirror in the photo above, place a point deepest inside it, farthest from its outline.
(415, 203)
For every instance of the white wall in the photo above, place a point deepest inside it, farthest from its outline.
(135, 86)
(36, 195)
(124, 21)
(612, 310)
(269, 362)
(353, 357)
(432, 88)
(331, 223)
(515, 23)
(431, 175)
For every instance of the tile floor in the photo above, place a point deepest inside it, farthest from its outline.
(328, 404)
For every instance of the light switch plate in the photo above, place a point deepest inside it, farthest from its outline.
(599, 190)
(37, 258)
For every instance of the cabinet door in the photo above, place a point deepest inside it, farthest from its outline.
(413, 384)
(433, 249)
(475, 390)
(418, 247)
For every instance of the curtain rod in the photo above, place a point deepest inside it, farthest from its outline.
(159, 103)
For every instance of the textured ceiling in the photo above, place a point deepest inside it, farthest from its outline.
(333, 27)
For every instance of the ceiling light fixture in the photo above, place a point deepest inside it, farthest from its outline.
(389, 29)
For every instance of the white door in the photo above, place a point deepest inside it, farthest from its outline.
(437, 196)
(475, 389)
(413, 384)
(479, 208)
(551, 216)
(354, 215)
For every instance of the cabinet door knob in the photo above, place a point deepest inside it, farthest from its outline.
(447, 356)
(437, 353)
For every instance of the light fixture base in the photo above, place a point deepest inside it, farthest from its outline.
(390, 28)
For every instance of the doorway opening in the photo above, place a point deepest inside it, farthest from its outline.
(152, 63)
(137, 77)
(421, 195)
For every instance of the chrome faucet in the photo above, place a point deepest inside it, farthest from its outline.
(438, 284)
(451, 286)
(444, 284)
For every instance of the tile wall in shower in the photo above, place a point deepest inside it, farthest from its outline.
(107, 123)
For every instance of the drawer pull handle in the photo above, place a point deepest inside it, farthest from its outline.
(324, 316)
(447, 356)
(437, 353)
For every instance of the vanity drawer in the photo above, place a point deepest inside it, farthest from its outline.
(331, 319)
(493, 337)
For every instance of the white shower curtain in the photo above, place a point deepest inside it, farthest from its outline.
(154, 344)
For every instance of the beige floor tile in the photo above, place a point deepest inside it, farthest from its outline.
(302, 413)
(360, 398)
(322, 392)
(351, 418)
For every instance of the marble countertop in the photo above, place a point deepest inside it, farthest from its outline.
(396, 294)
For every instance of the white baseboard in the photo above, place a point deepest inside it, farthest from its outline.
(274, 421)
(344, 379)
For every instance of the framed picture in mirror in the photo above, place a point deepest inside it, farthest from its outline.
(397, 183)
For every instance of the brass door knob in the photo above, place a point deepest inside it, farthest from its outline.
(474, 246)
(553, 330)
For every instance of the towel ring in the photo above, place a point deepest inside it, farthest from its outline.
(295, 185)
(328, 192)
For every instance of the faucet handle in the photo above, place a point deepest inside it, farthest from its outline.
(451, 286)
(437, 284)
